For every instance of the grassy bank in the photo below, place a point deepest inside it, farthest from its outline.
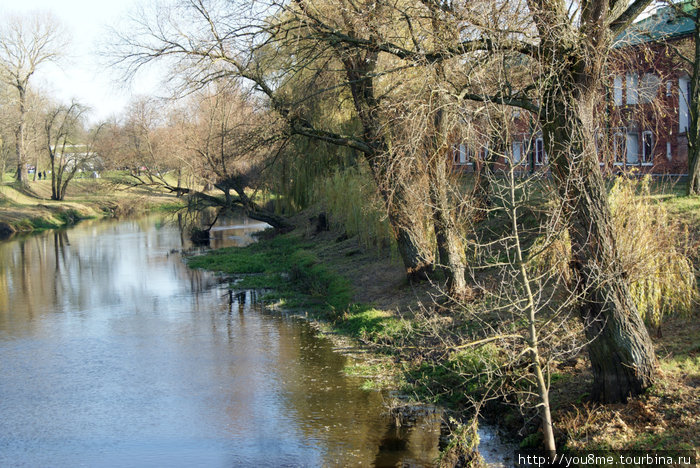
(33, 210)
(363, 294)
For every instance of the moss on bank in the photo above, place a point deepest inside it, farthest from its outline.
(295, 278)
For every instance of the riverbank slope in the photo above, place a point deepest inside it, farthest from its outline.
(364, 294)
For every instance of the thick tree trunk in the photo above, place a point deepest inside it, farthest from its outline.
(620, 350)
(694, 131)
(694, 173)
(416, 259)
(450, 252)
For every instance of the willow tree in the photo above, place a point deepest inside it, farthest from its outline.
(207, 42)
(567, 45)
(564, 48)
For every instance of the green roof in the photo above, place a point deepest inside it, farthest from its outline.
(664, 23)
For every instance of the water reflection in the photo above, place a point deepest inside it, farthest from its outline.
(116, 354)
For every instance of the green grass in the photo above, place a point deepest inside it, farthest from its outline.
(453, 381)
(285, 265)
(293, 277)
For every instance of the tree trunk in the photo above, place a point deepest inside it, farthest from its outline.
(694, 131)
(620, 350)
(415, 257)
(54, 182)
(449, 248)
(21, 175)
(253, 211)
(450, 252)
(621, 353)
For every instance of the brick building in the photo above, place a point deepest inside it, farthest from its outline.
(644, 108)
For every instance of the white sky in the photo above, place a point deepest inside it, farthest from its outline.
(81, 74)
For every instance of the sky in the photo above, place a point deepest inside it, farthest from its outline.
(81, 73)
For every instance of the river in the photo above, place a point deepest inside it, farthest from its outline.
(114, 354)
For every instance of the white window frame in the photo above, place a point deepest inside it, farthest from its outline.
(632, 91)
(539, 142)
(617, 90)
(521, 147)
(647, 159)
(683, 104)
(632, 136)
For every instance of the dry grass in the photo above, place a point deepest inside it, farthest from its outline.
(655, 251)
(666, 417)
(86, 198)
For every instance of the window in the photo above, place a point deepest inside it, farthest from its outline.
(683, 100)
(617, 91)
(632, 148)
(649, 87)
(484, 153)
(517, 152)
(462, 153)
(632, 82)
(619, 147)
(647, 148)
(669, 88)
(669, 155)
(539, 152)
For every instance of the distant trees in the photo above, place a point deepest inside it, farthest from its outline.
(26, 43)
(231, 143)
(69, 146)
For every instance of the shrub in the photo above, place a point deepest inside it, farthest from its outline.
(351, 198)
(653, 250)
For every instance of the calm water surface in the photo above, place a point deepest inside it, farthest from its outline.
(113, 353)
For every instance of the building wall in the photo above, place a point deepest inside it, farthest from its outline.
(645, 102)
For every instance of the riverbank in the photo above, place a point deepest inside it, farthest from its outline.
(28, 211)
(363, 294)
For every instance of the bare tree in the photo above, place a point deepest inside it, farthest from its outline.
(69, 147)
(231, 143)
(563, 49)
(26, 43)
(206, 42)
